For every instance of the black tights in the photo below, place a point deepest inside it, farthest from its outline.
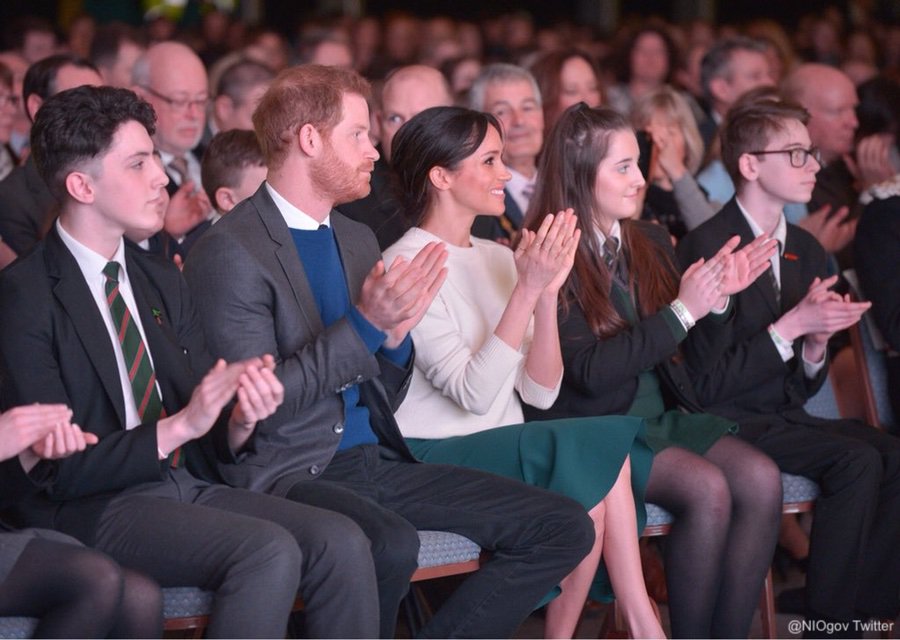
(80, 593)
(727, 506)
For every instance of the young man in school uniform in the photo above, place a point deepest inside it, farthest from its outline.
(763, 362)
(110, 331)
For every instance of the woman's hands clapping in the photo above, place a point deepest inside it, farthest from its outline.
(544, 258)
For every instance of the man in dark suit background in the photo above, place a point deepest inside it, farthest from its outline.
(512, 95)
(26, 205)
(407, 91)
(762, 364)
(110, 331)
(732, 67)
(284, 270)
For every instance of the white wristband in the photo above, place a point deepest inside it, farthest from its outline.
(681, 312)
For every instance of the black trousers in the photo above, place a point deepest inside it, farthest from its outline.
(255, 551)
(854, 563)
(535, 537)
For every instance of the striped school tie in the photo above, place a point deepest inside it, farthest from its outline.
(137, 360)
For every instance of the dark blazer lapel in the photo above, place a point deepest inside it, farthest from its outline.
(75, 297)
(737, 225)
(286, 253)
(792, 290)
(354, 273)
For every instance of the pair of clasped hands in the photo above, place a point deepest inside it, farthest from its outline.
(395, 299)
(46, 431)
(821, 313)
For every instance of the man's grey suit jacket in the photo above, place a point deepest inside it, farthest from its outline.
(254, 298)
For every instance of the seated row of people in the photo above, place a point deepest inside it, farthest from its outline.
(96, 324)
(588, 317)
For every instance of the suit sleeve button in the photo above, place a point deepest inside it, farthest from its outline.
(338, 428)
(314, 470)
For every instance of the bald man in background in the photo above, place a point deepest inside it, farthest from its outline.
(407, 92)
(172, 78)
(848, 166)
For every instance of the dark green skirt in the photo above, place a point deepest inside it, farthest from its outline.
(577, 457)
(695, 432)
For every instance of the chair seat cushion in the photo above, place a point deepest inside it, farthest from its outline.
(442, 547)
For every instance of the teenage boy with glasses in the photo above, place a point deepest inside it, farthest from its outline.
(761, 363)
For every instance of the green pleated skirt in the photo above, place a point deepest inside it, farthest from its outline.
(578, 457)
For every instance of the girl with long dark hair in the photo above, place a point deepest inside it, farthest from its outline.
(623, 311)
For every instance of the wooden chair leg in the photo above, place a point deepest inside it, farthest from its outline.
(767, 608)
(612, 627)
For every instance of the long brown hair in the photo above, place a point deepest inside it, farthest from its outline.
(576, 145)
(547, 70)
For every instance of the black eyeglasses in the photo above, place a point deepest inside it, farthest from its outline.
(179, 104)
(799, 157)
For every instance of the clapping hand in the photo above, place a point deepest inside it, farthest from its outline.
(545, 257)
(833, 232)
(41, 431)
(395, 300)
(187, 208)
(742, 267)
(819, 315)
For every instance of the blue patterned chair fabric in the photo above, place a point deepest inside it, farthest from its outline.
(17, 627)
(798, 488)
(441, 547)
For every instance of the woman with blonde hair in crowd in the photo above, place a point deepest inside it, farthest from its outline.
(673, 197)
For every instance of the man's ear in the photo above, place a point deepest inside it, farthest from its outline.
(32, 103)
(222, 109)
(440, 178)
(748, 165)
(310, 140)
(225, 200)
(80, 187)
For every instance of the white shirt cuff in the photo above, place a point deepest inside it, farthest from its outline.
(785, 347)
(811, 369)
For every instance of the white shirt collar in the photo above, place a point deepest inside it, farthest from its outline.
(615, 231)
(89, 261)
(294, 217)
(517, 185)
(780, 232)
